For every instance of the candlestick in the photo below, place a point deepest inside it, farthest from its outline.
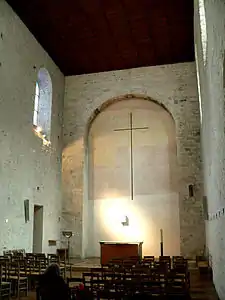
(161, 234)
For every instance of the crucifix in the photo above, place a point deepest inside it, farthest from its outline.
(131, 129)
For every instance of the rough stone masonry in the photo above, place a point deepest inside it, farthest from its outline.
(174, 87)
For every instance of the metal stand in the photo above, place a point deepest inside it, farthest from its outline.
(161, 242)
(68, 258)
(161, 248)
(67, 234)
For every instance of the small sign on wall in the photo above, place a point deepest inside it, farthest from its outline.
(26, 210)
(52, 242)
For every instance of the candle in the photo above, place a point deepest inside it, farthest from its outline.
(161, 234)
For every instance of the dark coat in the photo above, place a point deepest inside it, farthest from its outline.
(53, 287)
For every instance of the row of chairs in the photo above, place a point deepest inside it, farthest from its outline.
(132, 278)
(14, 252)
(19, 255)
(19, 272)
(150, 261)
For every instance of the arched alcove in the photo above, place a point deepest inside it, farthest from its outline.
(132, 177)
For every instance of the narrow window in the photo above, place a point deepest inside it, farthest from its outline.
(43, 106)
(203, 28)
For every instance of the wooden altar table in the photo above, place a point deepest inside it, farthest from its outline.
(110, 250)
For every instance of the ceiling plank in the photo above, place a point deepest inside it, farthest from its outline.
(86, 36)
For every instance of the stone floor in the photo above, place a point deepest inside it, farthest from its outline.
(201, 286)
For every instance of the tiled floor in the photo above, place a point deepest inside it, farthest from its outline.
(201, 286)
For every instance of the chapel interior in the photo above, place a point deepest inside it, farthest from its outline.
(112, 147)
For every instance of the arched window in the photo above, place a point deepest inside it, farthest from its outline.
(203, 28)
(43, 106)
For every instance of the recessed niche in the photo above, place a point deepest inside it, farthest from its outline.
(191, 190)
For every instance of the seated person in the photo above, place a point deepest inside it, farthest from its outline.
(52, 286)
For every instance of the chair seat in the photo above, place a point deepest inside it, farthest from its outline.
(23, 273)
(16, 278)
(5, 283)
(203, 264)
(34, 273)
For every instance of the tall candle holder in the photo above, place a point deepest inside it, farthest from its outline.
(67, 235)
(161, 242)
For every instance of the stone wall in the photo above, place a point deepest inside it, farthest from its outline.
(174, 87)
(212, 82)
(27, 170)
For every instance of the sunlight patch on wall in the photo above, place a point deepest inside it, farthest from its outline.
(113, 212)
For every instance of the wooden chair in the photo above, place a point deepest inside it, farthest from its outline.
(160, 267)
(136, 259)
(33, 270)
(182, 270)
(5, 286)
(7, 252)
(178, 258)
(53, 258)
(107, 294)
(141, 270)
(72, 283)
(116, 262)
(153, 289)
(149, 257)
(177, 286)
(19, 282)
(40, 256)
(74, 280)
(30, 256)
(129, 264)
(18, 254)
(7, 255)
(96, 285)
(165, 259)
(110, 277)
(148, 261)
(64, 267)
(88, 277)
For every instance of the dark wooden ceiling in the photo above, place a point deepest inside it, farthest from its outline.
(86, 36)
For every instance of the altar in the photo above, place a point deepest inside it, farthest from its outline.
(110, 250)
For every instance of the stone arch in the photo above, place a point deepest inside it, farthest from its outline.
(91, 120)
(113, 100)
